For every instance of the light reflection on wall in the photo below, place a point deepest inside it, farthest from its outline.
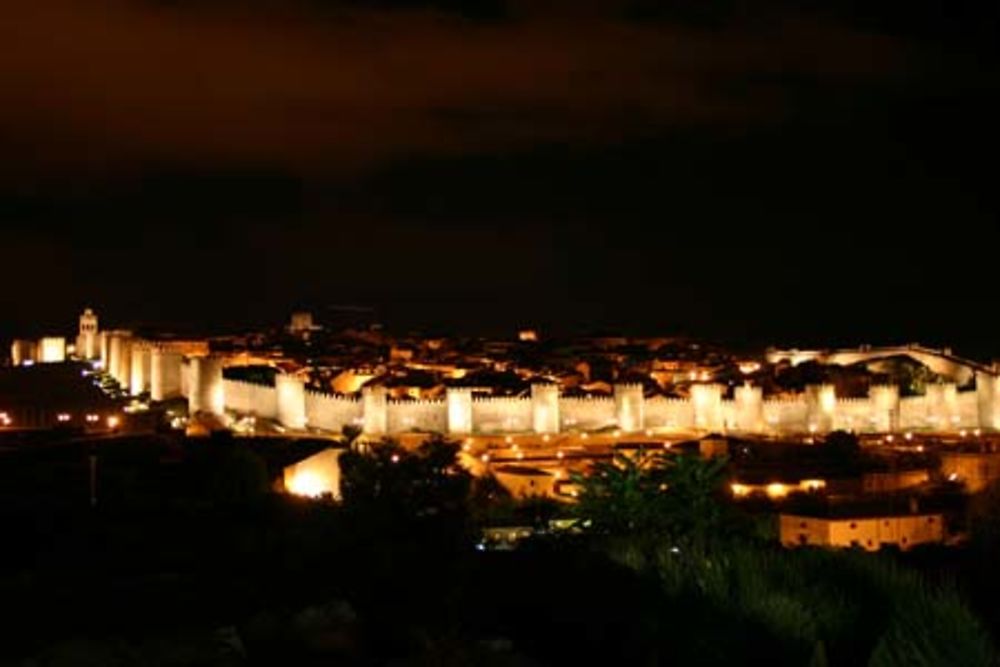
(315, 477)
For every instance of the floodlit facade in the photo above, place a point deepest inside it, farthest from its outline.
(545, 411)
(316, 476)
(291, 401)
(525, 481)
(206, 393)
(88, 340)
(869, 533)
(23, 352)
(52, 350)
(140, 368)
(164, 373)
(168, 368)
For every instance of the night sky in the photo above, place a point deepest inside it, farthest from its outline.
(800, 172)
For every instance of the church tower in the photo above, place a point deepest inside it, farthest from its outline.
(87, 339)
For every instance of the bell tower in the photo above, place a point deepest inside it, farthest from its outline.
(87, 339)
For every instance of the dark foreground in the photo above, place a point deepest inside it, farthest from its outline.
(189, 559)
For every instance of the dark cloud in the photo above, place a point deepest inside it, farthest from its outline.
(799, 175)
(99, 85)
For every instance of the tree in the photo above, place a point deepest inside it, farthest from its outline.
(654, 499)
(842, 449)
(693, 499)
(234, 475)
(490, 502)
(396, 481)
(350, 435)
(624, 497)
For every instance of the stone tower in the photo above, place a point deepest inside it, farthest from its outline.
(87, 339)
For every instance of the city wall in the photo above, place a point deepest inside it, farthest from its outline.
(177, 368)
(816, 411)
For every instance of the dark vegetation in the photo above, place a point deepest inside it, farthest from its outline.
(189, 557)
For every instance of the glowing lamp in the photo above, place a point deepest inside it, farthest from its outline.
(776, 490)
(813, 484)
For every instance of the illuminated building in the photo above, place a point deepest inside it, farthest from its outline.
(52, 350)
(532, 399)
(870, 533)
(23, 352)
(316, 476)
(301, 324)
(88, 338)
(206, 393)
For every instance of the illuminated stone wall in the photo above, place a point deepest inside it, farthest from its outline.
(459, 401)
(749, 409)
(941, 405)
(545, 408)
(251, 399)
(587, 413)
(817, 410)
(332, 413)
(941, 362)
(885, 407)
(88, 338)
(853, 414)
(821, 402)
(662, 412)
(207, 393)
(52, 350)
(987, 397)
(291, 391)
(140, 367)
(375, 415)
(119, 357)
(968, 408)
(501, 415)
(316, 476)
(23, 351)
(786, 415)
(629, 407)
(164, 374)
(428, 416)
(706, 400)
(105, 340)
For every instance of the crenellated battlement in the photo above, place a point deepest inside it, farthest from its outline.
(816, 410)
(415, 401)
(328, 395)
